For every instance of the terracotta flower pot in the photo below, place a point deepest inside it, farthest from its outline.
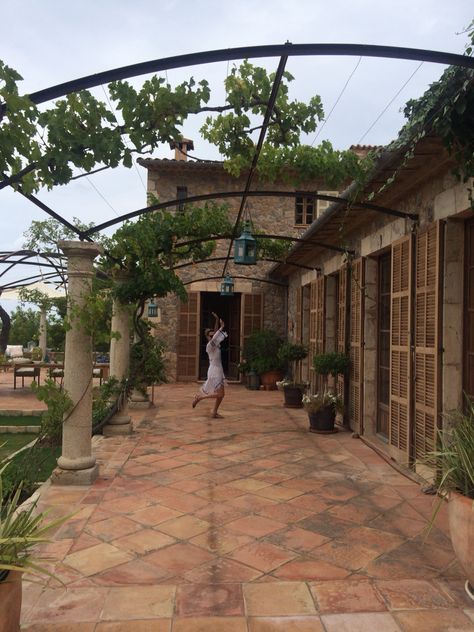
(10, 602)
(269, 380)
(461, 527)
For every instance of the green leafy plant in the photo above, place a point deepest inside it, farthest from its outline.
(260, 351)
(59, 404)
(314, 403)
(454, 458)
(331, 363)
(147, 362)
(21, 531)
(291, 353)
(36, 354)
(103, 398)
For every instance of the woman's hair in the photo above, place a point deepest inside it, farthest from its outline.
(207, 331)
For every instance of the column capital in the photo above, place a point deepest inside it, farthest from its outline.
(72, 248)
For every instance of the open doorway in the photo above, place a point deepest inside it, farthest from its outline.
(228, 308)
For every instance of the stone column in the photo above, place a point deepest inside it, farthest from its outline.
(76, 465)
(43, 332)
(120, 424)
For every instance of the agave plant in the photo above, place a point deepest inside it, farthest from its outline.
(454, 458)
(21, 530)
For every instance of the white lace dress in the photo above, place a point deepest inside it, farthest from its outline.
(215, 373)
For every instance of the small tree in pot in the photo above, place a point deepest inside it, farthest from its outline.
(329, 364)
(291, 355)
(261, 353)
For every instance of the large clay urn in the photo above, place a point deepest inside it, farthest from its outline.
(10, 602)
(461, 527)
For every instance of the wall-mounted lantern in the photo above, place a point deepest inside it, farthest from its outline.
(245, 247)
(152, 309)
(227, 286)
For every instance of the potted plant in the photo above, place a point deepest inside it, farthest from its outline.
(261, 353)
(454, 460)
(36, 354)
(147, 365)
(21, 530)
(290, 354)
(331, 364)
(321, 409)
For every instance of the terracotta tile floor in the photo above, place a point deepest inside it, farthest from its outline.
(245, 524)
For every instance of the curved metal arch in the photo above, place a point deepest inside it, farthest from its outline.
(282, 237)
(231, 194)
(215, 278)
(249, 52)
(289, 263)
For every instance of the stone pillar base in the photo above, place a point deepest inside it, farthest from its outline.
(142, 404)
(120, 424)
(75, 477)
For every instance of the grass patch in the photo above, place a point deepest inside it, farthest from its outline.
(10, 443)
(19, 420)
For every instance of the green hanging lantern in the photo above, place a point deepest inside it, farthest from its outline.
(152, 309)
(227, 286)
(245, 247)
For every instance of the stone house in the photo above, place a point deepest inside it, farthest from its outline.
(401, 304)
(258, 301)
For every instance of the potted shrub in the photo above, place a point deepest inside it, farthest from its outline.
(290, 354)
(331, 364)
(36, 354)
(454, 460)
(322, 409)
(21, 530)
(261, 353)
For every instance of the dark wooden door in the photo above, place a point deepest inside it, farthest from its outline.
(468, 373)
(383, 343)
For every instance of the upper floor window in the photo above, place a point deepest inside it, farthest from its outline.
(307, 209)
(304, 210)
(181, 194)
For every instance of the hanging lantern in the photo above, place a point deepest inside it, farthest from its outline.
(227, 286)
(245, 247)
(152, 309)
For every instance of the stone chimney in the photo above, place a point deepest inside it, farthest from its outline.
(181, 148)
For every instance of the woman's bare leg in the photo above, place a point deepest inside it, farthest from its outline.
(219, 397)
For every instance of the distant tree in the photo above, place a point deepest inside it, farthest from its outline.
(24, 326)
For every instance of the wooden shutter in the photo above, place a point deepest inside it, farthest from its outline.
(341, 324)
(188, 339)
(252, 315)
(427, 362)
(400, 350)
(317, 318)
(298, 328)
(356, 345)
(468, 372)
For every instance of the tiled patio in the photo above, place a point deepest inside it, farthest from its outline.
(245, 524)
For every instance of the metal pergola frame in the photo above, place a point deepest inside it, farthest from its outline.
(284, 51)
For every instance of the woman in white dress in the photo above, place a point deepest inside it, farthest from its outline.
(213, 388)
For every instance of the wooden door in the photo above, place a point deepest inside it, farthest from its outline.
(383, 343)
(356, 345)
(298, 328)
(342, 321)
(188, 339)
(468, 372)
(427, 360)
(317, 319)
(400, 350)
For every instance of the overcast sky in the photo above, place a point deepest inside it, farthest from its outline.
(51, 41)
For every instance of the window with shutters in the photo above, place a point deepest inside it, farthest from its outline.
(400, 349)
(322, 205)
(427, 359)
(383, 343)
(341, 326)
(188, 338)
(181, 195)
(317, 327)
(304, 210)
